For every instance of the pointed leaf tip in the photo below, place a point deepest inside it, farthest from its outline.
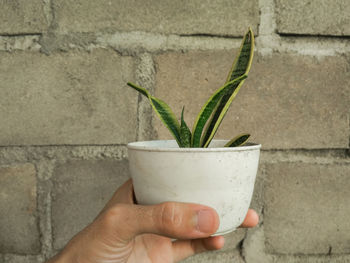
(163, 111)
(241, 66)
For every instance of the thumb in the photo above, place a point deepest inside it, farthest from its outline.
(171, 219)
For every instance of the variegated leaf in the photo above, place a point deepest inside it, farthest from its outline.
(209, 107)
(238, 140)
(185, 133)
(240, 66)
(164, 112)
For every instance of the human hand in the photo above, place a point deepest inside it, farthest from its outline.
(125, 232)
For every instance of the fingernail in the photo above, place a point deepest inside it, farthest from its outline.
(205, 221)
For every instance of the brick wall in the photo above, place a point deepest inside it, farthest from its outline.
(66, 114)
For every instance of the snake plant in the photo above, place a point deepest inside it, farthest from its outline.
(214, 110)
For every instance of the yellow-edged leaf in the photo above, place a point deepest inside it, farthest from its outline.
(241, 66)
(238, 140)
(163, 111)
(208, 109)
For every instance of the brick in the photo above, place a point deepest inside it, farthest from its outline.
(307, 208)
(67, 98)
(81, 189)
(254, 252)
(311, 259)
(169, 17)
(320, 17)
(21, 17)
(288, 100)
(253, 249)
(233, 239)
(18, 215)
(12, 258)
(209, 257)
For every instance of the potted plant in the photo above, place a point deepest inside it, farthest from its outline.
(195, 168)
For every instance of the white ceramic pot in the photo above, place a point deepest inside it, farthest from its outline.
(220, 177)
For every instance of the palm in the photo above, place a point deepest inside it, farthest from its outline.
(150, 248)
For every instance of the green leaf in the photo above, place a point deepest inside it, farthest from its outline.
(243, 61)
(241, 66)
(185, 133)
(238, 140)
(209, 107)
(163, 111)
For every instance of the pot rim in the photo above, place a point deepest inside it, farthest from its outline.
(150, 146)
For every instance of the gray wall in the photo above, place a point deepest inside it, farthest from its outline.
(66, 114)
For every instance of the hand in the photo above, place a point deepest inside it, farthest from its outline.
(125, 232)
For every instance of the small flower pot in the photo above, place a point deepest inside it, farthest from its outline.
(220, 177)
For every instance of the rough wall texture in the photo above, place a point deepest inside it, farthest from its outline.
(66, 114)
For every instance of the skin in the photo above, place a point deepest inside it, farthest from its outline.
(126, 232)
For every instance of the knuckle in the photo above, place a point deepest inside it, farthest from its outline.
(115, 223)
(169, 216)
(113, 215)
